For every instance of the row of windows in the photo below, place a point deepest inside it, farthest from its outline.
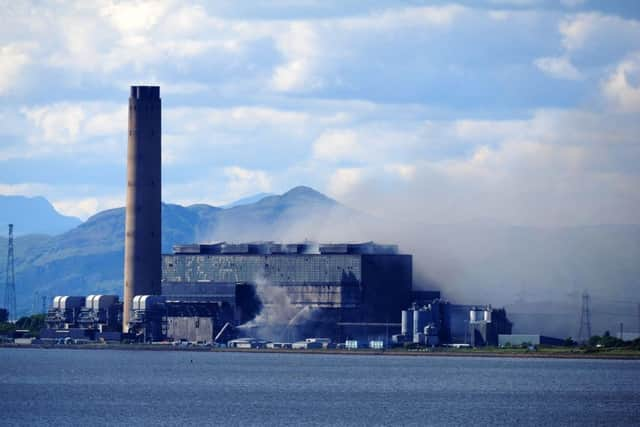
(281, 269)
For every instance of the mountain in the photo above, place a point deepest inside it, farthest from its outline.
(89, 258)
(34, 215)
(247, 200)
(537, 273)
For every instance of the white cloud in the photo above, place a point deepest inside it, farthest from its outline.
(299, 47)
(72, 127)
(85, 207)
(344, 180)
(620, 89)
(13, 58)
(135, 17)
(24, 189)
(67, 123)
(559, 67)
(557, 167)
(572, 3)
(242, 182)
(595, 30)
(336, 145)
(403, 18)
(515, 2)
(403, 171)
(58, 124)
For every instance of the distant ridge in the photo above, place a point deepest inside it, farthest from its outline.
(247, 200)
(88, 258)
(34, 215)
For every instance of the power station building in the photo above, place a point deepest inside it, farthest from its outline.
(336, 290)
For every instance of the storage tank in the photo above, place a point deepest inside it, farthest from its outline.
(147, 302)
(89, 301)
(103, 302)
(67, 302)
(476, 315)
(407, 322)
(430, 329)
(487, 315)
(56, 303)
(420, 320)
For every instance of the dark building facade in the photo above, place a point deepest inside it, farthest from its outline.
(360, 286)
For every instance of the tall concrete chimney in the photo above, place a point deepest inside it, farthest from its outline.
(142, 242)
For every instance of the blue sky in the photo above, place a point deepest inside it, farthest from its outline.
(517, 111)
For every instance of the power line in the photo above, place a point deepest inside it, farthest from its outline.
(558, 314)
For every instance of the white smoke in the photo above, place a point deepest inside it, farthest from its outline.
(278, 311)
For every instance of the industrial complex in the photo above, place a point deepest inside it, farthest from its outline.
(255, 294)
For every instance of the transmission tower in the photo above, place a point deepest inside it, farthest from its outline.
(10, 286)
(585, 318)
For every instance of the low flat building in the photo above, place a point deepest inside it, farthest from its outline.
(506, 340)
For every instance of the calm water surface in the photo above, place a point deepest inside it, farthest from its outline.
(89, 387)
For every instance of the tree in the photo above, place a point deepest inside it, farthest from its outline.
(33, 323)
(4, 314)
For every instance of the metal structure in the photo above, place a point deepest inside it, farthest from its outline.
(585, 318)
(83, 318)
(10, 286)
(143, 212)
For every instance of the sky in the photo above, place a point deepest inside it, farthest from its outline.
(521, 112)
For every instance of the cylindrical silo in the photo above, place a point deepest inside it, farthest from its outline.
(420, 320)
(142, 270)
(406, 327)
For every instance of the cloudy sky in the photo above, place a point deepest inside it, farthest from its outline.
(520, 111)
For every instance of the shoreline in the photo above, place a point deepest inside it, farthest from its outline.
(364, 352)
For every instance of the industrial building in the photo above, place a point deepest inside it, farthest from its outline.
(347, 292)
(336, 290)
(95, 317)
(442, 322)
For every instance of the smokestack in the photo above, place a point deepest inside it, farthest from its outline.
(142, 242)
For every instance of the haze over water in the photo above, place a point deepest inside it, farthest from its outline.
(87, 387)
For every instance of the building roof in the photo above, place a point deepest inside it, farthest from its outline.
(266, 248)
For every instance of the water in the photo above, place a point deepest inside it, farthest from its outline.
(91, 387)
